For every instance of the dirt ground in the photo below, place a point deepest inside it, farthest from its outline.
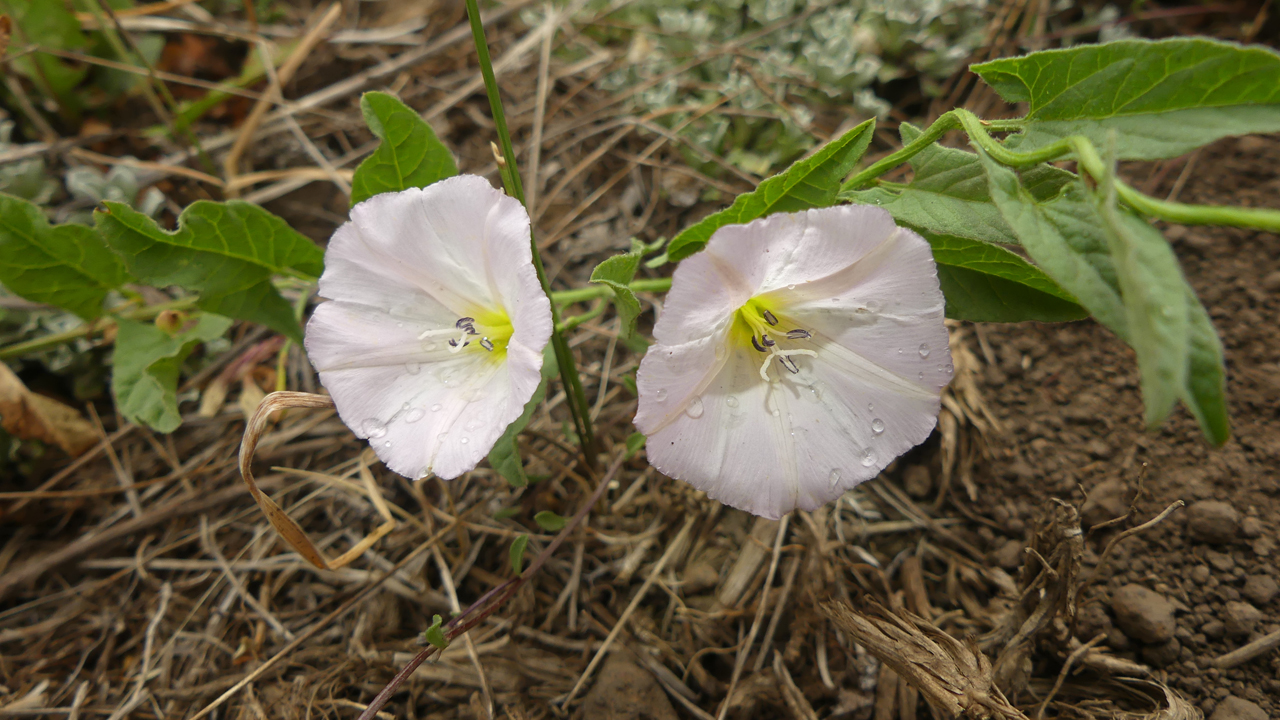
(1069, 399)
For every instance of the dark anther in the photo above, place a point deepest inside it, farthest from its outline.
(757, 344)
(453, 343)
(789, 364)
(463, 322)
(768, 341)
(799, 334)
(486, 344)
(471, 329)
(769, 318)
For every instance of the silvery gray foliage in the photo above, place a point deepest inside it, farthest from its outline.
(24, 178)
(833, 57)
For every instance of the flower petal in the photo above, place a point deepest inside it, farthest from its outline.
(417, 261)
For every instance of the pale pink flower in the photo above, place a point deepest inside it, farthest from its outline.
(432, 341)
(796, 356)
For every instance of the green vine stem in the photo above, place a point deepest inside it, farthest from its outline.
(100, 325)
(1085, 154)
(578, 406)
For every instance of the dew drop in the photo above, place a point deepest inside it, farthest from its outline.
(791, 286)
(871, 408)
(413, 368)
(924, 350)
(874, 306)
(899, 351)
(437, 407)
(466, 440)
(660, 395)
(833, 478)
(472, 424)
(386, 444)
(776, 412)
(399, 324)
(920, 375)
(373, 428)
(694, 410)
(442, 436)
(429, 346)
(414, 415)
(877, 426)
(949, 368)
(731, 401)
(868, 457)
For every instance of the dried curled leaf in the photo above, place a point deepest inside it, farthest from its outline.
(29, 416)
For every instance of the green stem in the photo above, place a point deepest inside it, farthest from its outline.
(1091, 162)
(568, 297)
(101, 324)
(947, 121)
(578, 406)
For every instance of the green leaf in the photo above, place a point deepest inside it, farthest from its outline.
(410, 154)
(146, 363)
(948, 193)
(1155, 299)
(616, 273)
(505, 513)
(550, 521)
(812, 182)
(47, 24)
(227, 252)
(1071, 240)
(635, 441)
(986, 283)
(505, 455)
(517, 553)
(64, 265)
(435, 633)
(1206, 392)
(1164, 98)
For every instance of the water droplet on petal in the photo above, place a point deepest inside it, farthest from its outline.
(465, 440)
(899, 351)
(731, 401)
(920, 375)
(373, 428)
(442, 436)
(472, 424)
(413, 368)
(660, 395)
(924, 350)
(877, 426)
(437, 407)
(386, 444)
(834, 478)
(871, 408)
(414, 415)
(874, 306)
(429, 346)
(868, 457)
(791, 286)
(694, 409)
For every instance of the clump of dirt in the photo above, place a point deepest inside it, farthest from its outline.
(1204, 582)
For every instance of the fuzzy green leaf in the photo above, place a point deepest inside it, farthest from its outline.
(505, 455)
(948, 193)
(410, 154)
(635, 441)
(550, 521)
(986, 283)
(64, 265)
(616, 273)
(1163, 98)
(1104, 264)
(227, 252)
(146, 364)
(517, 553)
(812, 182)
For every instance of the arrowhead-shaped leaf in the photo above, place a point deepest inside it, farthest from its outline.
(146, 364)
(948, 193)
(65, 265)
(227, 252)
(617, 272)
(812, 182)
(410, 154)
(1163, 98)
(986, 283)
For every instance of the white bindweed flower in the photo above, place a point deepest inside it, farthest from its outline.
(796, 356)
(432, 341)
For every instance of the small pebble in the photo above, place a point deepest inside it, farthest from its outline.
(1200, 574)
(1214, 629)
(1107, 500)
(1162, 655)
(1251, 527)
(1271, 282)
(1222, 561)
(1240, 618)
(1010, 555)
(1213, 521)
(1234, 708)
(1143, 615)
(917, 481)
(1260, 589)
